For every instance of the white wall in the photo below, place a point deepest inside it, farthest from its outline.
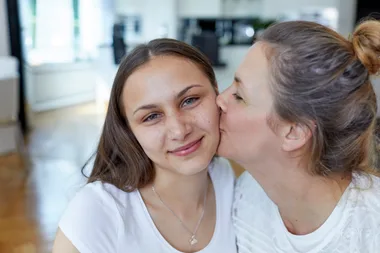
(218, 8)
(160, 19)
(155, 13)
(346, 10)
(347, 16)
(157, 17)
(4, 37)
(59, 32)
(107, 21)
(242, 8)
(273, 8)
(55, 39)
(199, 8)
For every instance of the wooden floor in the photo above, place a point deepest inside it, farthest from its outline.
(35, 191)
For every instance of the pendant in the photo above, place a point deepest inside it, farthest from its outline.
(193, 240)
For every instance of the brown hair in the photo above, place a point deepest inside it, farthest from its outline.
(321, 80)
(119, 159)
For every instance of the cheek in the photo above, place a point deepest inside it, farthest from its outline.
(150, 139)
(257, 135)
(256, 124)
(244, 122)
(207, 117)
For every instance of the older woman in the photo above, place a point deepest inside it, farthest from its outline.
(300, 117)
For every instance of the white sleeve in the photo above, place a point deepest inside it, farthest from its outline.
(91, 221)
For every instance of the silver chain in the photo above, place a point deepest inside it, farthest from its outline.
(179, 219)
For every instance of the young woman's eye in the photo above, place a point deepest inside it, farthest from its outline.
(151, 117)
(237, 97)
(189, 101)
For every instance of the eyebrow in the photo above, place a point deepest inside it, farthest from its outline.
(238, 83)
(179, 95)
(237, 80)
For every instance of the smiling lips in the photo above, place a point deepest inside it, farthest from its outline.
(187, 149)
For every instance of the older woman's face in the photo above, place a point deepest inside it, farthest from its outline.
(246, 105)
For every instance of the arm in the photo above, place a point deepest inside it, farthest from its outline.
(62, 244)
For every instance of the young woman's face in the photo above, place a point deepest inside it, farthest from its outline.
(170, 106)
(245, 134)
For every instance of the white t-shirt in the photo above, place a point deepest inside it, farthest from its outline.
(353, 226)
(103, 219)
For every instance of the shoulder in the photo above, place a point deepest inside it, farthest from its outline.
(253, 213)
(368, 188)
(367, 201)
(97, 194)
(247, 183)
(92, 218)
(248, 193)
(362, 212)
(221, 171)
(92, 194)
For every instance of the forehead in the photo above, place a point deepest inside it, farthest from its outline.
(255, 62)
(165, 70)
(161, 78)
(254, 70)
(254, 74)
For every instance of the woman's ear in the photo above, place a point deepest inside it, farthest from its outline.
(295, 136)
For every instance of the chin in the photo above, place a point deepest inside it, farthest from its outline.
(195, 165)
(193, 170)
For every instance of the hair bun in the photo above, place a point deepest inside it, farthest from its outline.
(366, 44)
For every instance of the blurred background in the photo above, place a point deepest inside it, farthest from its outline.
(57, 63)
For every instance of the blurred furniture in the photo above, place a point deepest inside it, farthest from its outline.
(119, 46)
(10, 134)
(207, 42)
(365, 8)
(52, 86)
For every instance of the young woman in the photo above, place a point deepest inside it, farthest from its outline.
(155, 185)
(300, 118)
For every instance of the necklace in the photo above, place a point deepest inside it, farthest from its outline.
(193, 240)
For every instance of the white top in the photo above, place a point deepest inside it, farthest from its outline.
(103, 219)
(353, 226)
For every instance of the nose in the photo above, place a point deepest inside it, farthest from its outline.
(221, 101)
(178, 126)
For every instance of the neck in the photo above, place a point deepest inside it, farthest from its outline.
(183, 193)
(305, 201)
